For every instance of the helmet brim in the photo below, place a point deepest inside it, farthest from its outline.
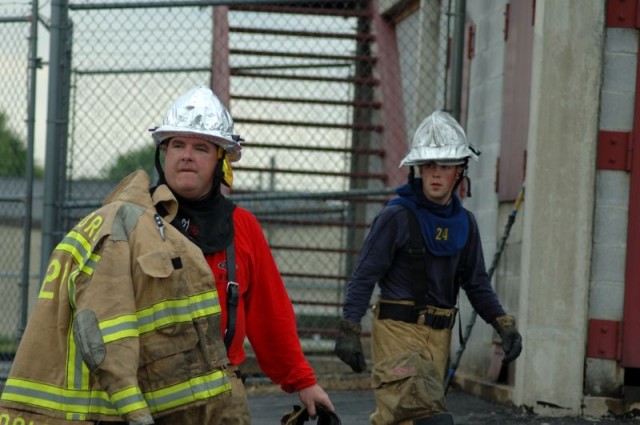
(165, 132)
(451, 155)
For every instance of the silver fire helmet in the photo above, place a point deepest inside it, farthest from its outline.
(440, 138)
(200, 113)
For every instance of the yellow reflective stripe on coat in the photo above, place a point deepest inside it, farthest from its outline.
(195, 389)
(159, 315)
(129, 400)
(77, 370)
(71, 402)
(78, 404)
(178, 311)
(120, 327)
(80, 249)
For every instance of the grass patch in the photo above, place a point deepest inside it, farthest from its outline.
(8, 347)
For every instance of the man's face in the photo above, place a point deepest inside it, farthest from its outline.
(438, 181)
(189, 164)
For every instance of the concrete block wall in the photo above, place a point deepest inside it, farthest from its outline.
(484, 126)
(485, 113)
(604, 377)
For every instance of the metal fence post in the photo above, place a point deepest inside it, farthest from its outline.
(457, 59)
(57, 127)
(34, 64)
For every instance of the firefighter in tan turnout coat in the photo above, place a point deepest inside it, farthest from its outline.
(127, 322)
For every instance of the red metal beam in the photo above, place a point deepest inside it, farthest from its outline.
(301, 55)
(329, 11)
(604, 339)
(315, 124)
(289, 33)
(394, 137)
(614, 150)
(379, 176)
(220, 55)
(310, 101)
(622, 13)
(276, 146)
(366, 81)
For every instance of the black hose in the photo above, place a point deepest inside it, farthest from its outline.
(472, 320)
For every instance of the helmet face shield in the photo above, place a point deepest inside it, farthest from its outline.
(441, 139)
(199, 113)
(450, 162)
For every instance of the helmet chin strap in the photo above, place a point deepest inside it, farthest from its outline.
(412, 173)
(159, 169)
(218, 173)
(463, 176)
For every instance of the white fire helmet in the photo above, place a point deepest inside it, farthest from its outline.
(200, 113)
(440, 138)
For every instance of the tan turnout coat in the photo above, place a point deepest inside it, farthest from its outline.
(127, 322)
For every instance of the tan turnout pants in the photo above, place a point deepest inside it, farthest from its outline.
(409, 364)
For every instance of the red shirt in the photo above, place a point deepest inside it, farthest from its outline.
(265, 314)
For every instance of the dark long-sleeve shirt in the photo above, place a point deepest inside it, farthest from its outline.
(384, 259)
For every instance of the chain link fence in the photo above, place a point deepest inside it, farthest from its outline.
(17, 94)
(326, 95)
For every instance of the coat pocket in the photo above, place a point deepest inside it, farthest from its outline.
(156, 264)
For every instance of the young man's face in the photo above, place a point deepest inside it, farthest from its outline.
(189, 164)
(438, 181)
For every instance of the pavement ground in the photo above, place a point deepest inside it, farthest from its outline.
(354, 401)
(354, 407)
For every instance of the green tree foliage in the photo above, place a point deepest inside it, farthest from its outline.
(13, 153)
(125, 164)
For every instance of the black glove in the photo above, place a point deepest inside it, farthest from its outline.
(348, 347)
(299, 416)
(511, 338)
(296, 417)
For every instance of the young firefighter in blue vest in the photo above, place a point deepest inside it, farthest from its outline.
(419, 282)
